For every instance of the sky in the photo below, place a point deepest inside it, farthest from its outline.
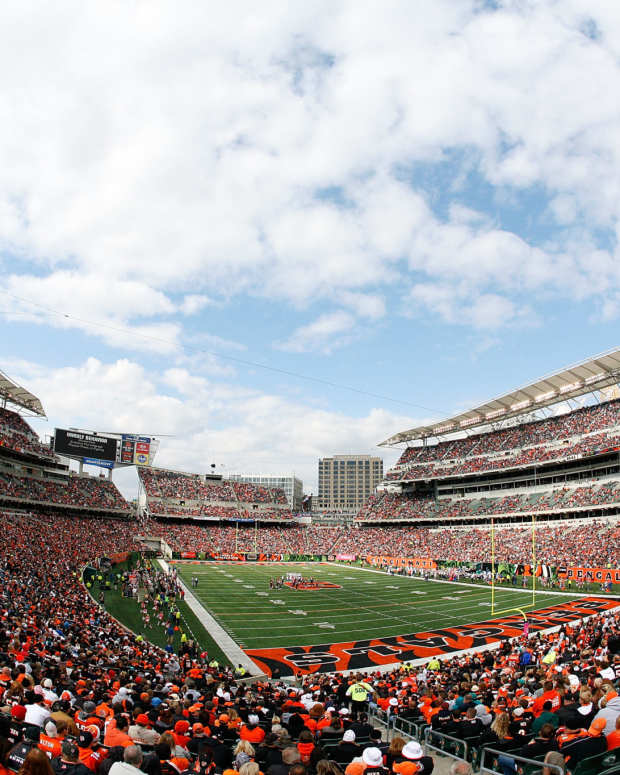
(208, 213)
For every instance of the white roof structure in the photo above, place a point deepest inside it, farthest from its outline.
(588, 376)
(11, 392)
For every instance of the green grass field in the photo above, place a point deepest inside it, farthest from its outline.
(368, 605)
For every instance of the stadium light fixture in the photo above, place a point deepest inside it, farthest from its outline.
(520, 405)
(496, 413)
(571, 386)
(545, 396)
(595, 377)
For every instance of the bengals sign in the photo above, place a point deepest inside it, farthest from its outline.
(355, 655)
(590, 574)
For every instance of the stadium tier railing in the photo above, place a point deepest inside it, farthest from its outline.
(446, 745)
(524, 766)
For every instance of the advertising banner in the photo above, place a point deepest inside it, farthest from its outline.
(346, 557)
(233, 557)
(424, 563)
(143, 451)
(127, 450)
(118, 557)
(93, 461)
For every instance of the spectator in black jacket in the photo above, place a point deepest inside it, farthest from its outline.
(68, 763)
(583, 747)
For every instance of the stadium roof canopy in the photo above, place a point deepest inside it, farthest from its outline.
(11, 392)
(586, 377)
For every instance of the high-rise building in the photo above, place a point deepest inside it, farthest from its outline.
(292, 486)
(346, 481)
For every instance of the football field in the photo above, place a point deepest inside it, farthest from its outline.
(379, 613)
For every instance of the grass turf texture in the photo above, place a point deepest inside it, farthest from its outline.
(368, 605)
(127, 611)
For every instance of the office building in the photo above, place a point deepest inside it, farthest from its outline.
(346, 481)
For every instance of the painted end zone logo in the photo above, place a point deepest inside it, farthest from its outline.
(330, 657)
(305, 586)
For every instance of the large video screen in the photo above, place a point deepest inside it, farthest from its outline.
(80, 444)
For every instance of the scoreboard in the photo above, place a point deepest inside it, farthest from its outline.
(106, 450)
(82, 444)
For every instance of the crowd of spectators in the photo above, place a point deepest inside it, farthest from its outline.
(84, 491)
(514, 459)
(565, 426)
(387, 506)
(180, 494)
(18, 436)
(227, 539)
(587, 544)
(87, 693)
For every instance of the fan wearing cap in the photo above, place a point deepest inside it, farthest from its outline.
(181, 738)
(413, 761)
(347, 749)
(590, 744)
(251, 731)
(87, 717)
(68, 763)
(199, 738)
(91, 754)
(50, 741)
(49, 695)
(142, 732)
(371, 763)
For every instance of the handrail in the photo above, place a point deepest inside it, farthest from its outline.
(408, 727)
(554, 769)
(428, 732)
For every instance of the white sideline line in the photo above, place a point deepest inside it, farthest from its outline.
(231, 648)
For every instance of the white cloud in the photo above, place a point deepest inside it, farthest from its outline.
(201, 421)
(485, 311)
(192, 157)
(325, 334)
(194, 302)
(100, 305)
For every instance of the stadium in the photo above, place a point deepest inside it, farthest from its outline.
(479, 582)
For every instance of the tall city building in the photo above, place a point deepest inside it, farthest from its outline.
(292, 486)
(346, 481)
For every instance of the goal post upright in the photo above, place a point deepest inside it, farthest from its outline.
(533, 558)
(493, 574)
(492, 565)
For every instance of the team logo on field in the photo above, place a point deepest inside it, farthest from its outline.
(304, 586)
